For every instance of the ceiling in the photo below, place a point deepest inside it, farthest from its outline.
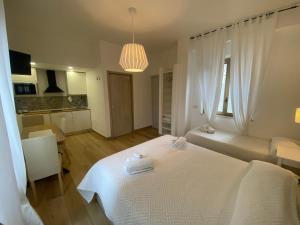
(159, 23)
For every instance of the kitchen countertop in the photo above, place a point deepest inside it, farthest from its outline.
(47, 111)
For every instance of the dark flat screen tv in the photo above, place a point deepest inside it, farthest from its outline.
(20, 63)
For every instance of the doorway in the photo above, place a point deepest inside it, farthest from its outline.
(155, 100)
(121, 103)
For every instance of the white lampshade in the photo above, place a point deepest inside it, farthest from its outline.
(297, 115)
(133, 58)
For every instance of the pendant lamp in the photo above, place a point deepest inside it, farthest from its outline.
(133, 56)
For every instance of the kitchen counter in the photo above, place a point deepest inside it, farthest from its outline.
(75, 119)
(47, 111)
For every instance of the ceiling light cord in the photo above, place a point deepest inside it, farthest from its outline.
(132, 21)
(132, 12)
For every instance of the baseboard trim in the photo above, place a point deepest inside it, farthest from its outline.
(135, 130)
(78, 132)
(142, 128)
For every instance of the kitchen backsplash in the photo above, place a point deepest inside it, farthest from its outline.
(50, 102)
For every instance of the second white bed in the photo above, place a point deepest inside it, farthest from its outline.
(241, 147)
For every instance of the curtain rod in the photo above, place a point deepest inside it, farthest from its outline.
(296, 5)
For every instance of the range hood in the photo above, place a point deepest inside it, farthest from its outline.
(52, 88)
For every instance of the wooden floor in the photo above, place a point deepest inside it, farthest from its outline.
(84, 150)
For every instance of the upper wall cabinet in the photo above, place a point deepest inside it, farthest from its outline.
(76, 83)
(25, 78)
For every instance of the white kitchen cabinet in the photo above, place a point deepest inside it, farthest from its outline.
(67, 126)
(17, 78)
(82, 120)
(74, 121)
(76, 83)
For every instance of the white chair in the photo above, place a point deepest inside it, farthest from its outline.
(42, 159)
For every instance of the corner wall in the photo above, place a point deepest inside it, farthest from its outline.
(95, 58)
(280, 91)
(109, 61)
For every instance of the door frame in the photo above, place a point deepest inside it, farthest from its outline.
(109, 72)
(155, 76)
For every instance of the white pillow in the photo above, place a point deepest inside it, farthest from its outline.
(281, 141)
(266, 195)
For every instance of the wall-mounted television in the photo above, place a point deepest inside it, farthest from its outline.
(20, 63)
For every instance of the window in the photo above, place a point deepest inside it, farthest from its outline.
(225, 106)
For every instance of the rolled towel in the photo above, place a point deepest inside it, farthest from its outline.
(210, 130)
(179, 142)
(137, 165)
(206, 128)
(138, 155)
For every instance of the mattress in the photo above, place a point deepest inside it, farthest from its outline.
(189, 186)
(241, 147)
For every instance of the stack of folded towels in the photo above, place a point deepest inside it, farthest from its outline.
(138, 163)
(179, 142)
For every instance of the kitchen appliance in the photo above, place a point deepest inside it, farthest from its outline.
(52, 88)
(20, 63)
(25, 89)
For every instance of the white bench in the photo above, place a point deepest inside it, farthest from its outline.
(241, 147)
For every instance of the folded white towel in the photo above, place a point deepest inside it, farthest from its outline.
(137, 165)
(206, 128)
(179, 142)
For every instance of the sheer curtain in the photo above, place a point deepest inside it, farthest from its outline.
(7, 105)
(206, 65)
(250, 49)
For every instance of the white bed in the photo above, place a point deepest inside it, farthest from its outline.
(241, 147)
(191, 186)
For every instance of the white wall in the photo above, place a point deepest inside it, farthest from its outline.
(165, 58)
(54, 49)
(142, 100)
(281, 97)
(97, 102)
(280, 91)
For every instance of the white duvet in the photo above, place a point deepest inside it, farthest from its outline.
(190, 186)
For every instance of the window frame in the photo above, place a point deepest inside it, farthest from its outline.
(226, 93)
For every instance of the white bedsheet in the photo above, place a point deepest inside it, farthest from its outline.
(190, 186)
(241, 147)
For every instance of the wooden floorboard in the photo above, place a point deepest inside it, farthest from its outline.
(84, 150)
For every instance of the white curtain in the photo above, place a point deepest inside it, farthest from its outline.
(250, 49)
(7, 104)
(206, 65)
